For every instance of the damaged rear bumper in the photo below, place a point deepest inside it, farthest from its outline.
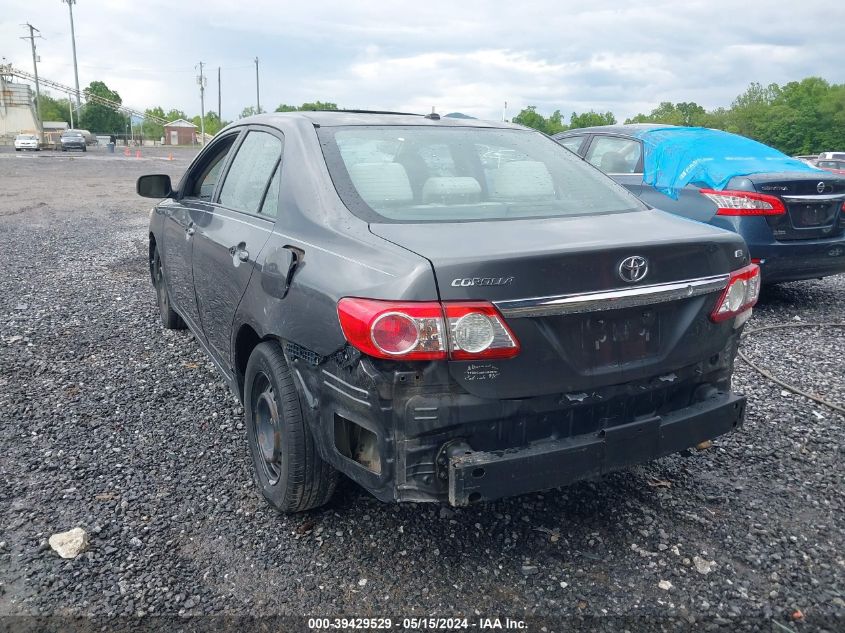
(484, 475)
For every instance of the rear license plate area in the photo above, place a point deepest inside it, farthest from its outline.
(614, 337)
(809, 215)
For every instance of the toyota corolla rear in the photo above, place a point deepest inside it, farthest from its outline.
(575, 331)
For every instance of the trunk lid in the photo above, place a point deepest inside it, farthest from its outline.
(585, 344)
(813, 205)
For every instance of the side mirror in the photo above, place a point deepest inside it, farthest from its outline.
(154, 186)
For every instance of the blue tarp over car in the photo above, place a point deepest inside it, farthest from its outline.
(675, 157)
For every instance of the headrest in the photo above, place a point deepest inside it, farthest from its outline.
(522, 179)
(451, 190)
(614, 163)
(380, 183)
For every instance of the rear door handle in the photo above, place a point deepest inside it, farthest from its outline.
(240, 252)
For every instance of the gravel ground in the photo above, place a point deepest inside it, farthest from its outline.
(111, 424)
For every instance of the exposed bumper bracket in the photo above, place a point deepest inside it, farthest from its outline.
(477, 476)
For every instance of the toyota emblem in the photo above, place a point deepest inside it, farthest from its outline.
(633, 269)
(820, 187)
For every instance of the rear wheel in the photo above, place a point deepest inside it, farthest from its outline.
(169, 318)
(287, 466)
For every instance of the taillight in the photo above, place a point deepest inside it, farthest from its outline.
(739, 296)
(477, 330)
(419, 331)
(744, 202)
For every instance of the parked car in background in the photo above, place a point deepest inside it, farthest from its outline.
(90, 139)
(791, 215)
(836, 166)
(443, 310)
(26, 141)
(72, 139)
(831, 156)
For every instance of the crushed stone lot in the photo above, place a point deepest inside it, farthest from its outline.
(112, 424)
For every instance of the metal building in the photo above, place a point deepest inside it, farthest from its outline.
(17, 111)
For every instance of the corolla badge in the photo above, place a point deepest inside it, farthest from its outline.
(482, 281)
(633, 269)
(820, 187)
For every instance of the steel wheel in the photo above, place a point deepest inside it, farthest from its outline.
(267, 427)
(169, 318)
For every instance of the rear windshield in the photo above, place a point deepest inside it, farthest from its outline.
(455, 174)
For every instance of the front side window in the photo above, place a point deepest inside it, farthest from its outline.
(615, 155)
(249, 176)
(204, 177)
(455, 174)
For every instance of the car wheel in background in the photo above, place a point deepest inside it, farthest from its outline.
(169, 318)
(287, 467)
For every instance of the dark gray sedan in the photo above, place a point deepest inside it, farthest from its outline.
(443, 310)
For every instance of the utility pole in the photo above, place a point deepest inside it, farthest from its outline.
(505, 112)
(257, 93)
(201, 82)
(70, 104)
(219, 98)
(31, 37)
(70, 4)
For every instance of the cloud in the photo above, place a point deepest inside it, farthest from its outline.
(470, 56)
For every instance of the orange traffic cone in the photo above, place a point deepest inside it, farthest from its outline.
(137, 153)
(127, 151)
(170, 156)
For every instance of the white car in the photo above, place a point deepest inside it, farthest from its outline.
(26, 141)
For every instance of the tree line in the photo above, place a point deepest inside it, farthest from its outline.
(799, 117)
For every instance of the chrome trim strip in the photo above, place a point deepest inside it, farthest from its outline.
(611, 299)
(827, 197)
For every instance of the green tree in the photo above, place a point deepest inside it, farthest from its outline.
(174, 114)
(248, 111)
(53, 109)
(99, 118)
(213, 124)
(318, 105)
(590, 119)
(149, 128)
(313, 105)
(555, 124)
(529, 117)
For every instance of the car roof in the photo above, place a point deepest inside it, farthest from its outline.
(334, 118)
(631, 129)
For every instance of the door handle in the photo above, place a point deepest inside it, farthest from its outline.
(240, 252)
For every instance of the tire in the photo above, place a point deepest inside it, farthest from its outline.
(169, 319)
(17, 149)
(64, 149)
(287, 466)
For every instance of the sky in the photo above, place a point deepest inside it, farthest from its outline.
(464, 56)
